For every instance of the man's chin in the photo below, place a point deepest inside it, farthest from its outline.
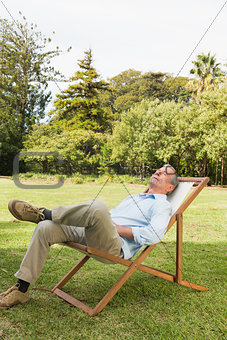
(153, 180)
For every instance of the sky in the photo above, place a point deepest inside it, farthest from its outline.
(144, 35)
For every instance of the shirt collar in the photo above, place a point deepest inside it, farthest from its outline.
(154, 196)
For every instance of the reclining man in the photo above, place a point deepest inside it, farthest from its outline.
(137, 221)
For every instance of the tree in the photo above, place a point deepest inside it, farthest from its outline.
(80, 150)
(175, 89)
(192, 137)
(131, 87)
(206, 71)
(24, 75)
(213, 121)
(79, 106)
(125, 90)
(141, 134)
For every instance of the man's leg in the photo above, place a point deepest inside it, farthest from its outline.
(45, 234)
(94, 216)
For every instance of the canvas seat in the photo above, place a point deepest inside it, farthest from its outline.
(179, 205)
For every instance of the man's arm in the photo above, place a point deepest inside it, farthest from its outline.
(124, 231)
(156, 227)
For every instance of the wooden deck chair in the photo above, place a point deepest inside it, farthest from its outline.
(179, 205)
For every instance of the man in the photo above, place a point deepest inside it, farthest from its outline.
(137, 221)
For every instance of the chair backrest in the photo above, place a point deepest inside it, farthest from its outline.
(178, 195)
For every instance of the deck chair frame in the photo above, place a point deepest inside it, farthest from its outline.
(199, 183)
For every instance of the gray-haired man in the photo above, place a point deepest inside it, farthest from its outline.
(137, 221)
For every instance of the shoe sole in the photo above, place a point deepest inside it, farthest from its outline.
(8, 307)
(2, 308)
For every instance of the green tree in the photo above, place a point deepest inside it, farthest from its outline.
(24, 75)
(79, 106)
(125, 90)
(213, 122)
(192, 137)
(131, 87)
(206, 71)
(141, 133)
(79, 149)
(175, 89)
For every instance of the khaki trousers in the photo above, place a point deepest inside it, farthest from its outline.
(87, 223)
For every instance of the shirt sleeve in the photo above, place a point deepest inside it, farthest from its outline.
(156, 226)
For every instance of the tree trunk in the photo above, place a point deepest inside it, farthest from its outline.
(178, 163)
(204, 166)
(142, 172)
(45, 166)
(222, 170)
(216, 175)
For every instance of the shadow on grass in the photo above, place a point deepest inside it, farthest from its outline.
(202, 264)
(156, 305)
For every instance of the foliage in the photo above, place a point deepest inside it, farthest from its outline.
(131, 87)
(213, 121)
(206, 71)
(80, 150)
(176, 89)
(134, 139)
(191, 137)
(24, 75)
(76, 128)
(130, 125)
(80, 105)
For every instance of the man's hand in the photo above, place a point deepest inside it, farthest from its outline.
(124, 231)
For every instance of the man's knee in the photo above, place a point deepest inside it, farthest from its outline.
(99, 208)
(45, 229)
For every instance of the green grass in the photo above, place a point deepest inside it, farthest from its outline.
(146, 307)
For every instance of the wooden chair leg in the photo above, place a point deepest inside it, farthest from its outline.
(103, 302)
(179, 245)
(72, 272)
(115, 288)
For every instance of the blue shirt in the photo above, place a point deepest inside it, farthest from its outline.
(147, 215)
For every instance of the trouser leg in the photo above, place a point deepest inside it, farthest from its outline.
(45, 234)
(94, 216)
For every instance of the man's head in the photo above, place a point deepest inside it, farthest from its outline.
(164, 180)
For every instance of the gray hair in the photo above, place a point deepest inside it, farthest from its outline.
(173, 178)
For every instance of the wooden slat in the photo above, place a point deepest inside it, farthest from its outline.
(193, 286)
(157, 272)
(100, 253)
(72, 272)
(73, 301)
(193, 179)
(121, 281)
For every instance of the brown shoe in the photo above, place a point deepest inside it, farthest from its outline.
(13, 297)
(25, 211)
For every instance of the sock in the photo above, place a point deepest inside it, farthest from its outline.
(48, 214)
(23, 285)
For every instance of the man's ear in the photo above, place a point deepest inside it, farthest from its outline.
(170, 188)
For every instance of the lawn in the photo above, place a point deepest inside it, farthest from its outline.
(146, 307)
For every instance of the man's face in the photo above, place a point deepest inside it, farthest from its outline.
(160, 180)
